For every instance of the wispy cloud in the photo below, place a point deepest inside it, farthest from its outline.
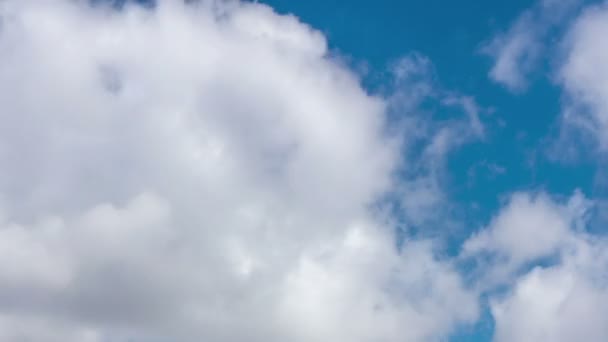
(519, 50)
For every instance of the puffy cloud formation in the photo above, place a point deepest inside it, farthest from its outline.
(199, 171)
(565, 302)
(528, 229)
(205, 170)
(567, 299)
(561, 299)
(544, 272)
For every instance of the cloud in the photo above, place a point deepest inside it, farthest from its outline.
(547, 274)
(200, 171)
(207, 171)
(527, 230)
(537, 260)
(565, 302)
(583, 74)
(518, 51)
(429, 137)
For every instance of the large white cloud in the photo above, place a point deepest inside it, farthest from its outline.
(199, 172)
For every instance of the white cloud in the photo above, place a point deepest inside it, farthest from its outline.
(427, 141)
(563, 302)
(472, 110)
(515, 54)
(584, 74)
(543, 224)
(199, 172)
(561, 299)
(206, 172)
(518, 51)
(544, 273)
(528, 229)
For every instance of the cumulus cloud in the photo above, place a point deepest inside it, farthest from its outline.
(206, 171)
(199, 171)
(528, 229)
(542, 269)
(547, 274)
(565, 302)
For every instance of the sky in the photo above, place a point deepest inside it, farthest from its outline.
(306, 171)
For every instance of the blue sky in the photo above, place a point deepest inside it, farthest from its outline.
(306, 171)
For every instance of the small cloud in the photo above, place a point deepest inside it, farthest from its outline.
(518, 51)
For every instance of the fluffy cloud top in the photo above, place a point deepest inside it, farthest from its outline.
(199, 171)
(564, 300)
